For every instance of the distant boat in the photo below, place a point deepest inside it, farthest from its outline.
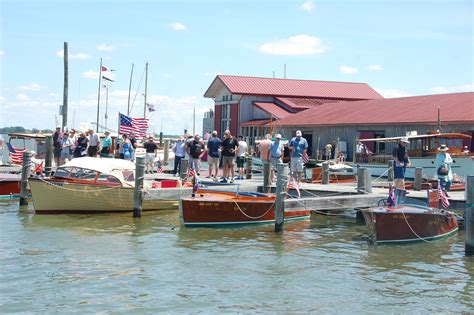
(219, 208)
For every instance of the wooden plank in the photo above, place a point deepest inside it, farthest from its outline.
(334, 202)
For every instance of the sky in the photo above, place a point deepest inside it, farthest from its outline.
(400, 48)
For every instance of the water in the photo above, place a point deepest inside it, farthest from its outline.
(113, 263)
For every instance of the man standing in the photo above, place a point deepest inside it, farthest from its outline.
(242, 151)
(276, 154)
(195, 149)
(179, 153)
(228, 147)
(106, 145)
(57, 137)
(264, 148)
(213, 146)
(298, 148)
(151, 150)
(401, 161)
(328, 151)
(133, 141)
(93, 144)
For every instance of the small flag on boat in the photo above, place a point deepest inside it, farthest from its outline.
(137, 125)
(305, 158)
(160, 168)
(192, 173)
(104, 69)
(39, 168)
(392, 199)
(16, 155)
(151, 107)
(442, 197)
(292, 184)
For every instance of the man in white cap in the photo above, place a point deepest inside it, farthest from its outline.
(401, 161)
(276, 154)
(443, 168)
(298, 148)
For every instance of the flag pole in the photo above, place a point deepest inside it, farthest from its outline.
(98, 94)
(129, 91)
(146, 87)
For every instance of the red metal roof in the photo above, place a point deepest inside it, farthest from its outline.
(456, 107)
(256, 122)
(299, 104)
(292, 88)
(273, 109)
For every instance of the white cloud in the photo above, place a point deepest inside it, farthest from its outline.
(31, 87)
(178, 26)
(80, 56)
(2, 98)
(392, 93)
(294, 45)
(2, 53)
(375, 68)
(22, 97)
(308, 6)
(348, 70)
(90, 74)
(453, 89)
(105, 47)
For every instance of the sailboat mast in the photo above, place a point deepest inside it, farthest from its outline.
(146, 87)
(98, 94)
(66, 86)
(129, 91)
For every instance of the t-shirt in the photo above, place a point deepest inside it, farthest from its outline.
(150, 147)
(107, 142)
(229, 144)
(179, 149)
(196, 148)
(264, 147)
(400, 152)
(57, 140)
(277, 149)
(93, 140)
(213, 146)
(242, 148)
(299, 144)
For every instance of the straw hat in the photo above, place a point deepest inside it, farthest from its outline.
(443, 148)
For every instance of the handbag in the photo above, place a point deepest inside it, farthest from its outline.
(443, 171)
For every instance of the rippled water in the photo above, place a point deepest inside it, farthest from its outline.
(113, 263)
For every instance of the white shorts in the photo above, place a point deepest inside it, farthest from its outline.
(275, 161)
(296, 164)
(150, 158)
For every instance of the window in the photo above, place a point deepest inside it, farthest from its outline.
(225, 118)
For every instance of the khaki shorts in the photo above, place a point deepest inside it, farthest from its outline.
(228, 160)
(212, 160)
(274, 161)
(296, 164)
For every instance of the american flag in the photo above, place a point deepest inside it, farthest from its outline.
(392, 199)
(292, 184)
(139, 126)
(305, 158)
(16, 155)
(160, 168)
(192, 173)
(442, 197)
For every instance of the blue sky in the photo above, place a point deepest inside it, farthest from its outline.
(400, 48)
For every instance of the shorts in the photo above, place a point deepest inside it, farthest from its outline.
(240, 161)
(399, 171)
(296, 164)
(228, 160)
(150, 158)
(57, 152)
(92, 151)
(212, 160)
(66, 154)
(274, 161)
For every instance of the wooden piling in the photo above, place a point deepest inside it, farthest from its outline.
(248, 174)
(166, 150)
(325, 179)
(48, 160)
(390, 175)
(138, 192)
(183, 170)
(364, 180)
(282, 184)
(469, 216)
(418, 178)
(25, 174)
(267, 181)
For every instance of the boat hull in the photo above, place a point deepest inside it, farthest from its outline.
(408, 224)
(221, 209)
(9, 185)
(60, 197)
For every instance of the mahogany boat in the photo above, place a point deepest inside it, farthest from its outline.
(9, 185)
(407, 223)
(224, 208)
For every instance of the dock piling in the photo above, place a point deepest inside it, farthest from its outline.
(25, 174)
(267, 181)
(364, 180)
(48, 159)
(325, 179)
(469, 216)
(138, 192)
(166, 150)
(418, 178)
(390, 175)
(183, 170)
(248, 174)
(282, 184)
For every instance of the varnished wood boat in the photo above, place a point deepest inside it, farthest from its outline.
(407, 223)
(217, 208)
(94, 185)
(9, 185)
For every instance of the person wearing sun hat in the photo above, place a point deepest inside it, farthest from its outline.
(443, 168)
(401, 161)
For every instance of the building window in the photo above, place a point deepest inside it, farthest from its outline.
(225, 118)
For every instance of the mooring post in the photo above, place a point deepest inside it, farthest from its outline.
(183, 170)
(325, 179)
(469, 216)
(390, 175)
(25, 174)
(364, 180)
(138, 192)
(248, 174)
(166, 151)
(267, 181)
(48, 159)
(418, 178)
(282, 184)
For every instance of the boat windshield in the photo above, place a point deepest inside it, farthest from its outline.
(76, 173)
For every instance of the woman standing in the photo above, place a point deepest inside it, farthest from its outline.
(443, 168)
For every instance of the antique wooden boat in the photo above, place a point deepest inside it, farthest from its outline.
(338, 173)
(9, 185)
(220, 208)
(407, 223)
(95, 185)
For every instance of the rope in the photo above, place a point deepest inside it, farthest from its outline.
(419, 237)
(250, 217)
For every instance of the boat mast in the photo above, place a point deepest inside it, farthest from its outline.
(129, 91)
(146, 87)
(98, 94)
(64, 111)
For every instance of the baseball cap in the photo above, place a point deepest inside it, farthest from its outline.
(278, 136)
(298, 133)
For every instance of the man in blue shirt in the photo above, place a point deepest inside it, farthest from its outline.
(213, 146)
(276, 154)
(298, 148)
(179, 153)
